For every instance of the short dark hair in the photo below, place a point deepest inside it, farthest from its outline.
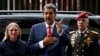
(50, 6)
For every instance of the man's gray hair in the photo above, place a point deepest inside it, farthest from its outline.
(50, 6)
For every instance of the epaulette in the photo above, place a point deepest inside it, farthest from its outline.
(71, 32)
(94, 32)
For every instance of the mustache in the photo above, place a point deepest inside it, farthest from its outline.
(48, 18)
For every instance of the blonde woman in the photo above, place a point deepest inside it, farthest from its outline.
(12, 45)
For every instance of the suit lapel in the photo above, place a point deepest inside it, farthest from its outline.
(54, 35)
(54, 31)
(42, 32)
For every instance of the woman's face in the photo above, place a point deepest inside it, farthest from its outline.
(13, 32)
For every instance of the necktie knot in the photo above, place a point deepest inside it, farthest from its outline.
(49, 31)
(49, 26)
(82, 34)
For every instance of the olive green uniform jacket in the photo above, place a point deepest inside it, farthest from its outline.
(86, 45)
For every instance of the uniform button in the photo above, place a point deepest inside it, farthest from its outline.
(76, 55)
(77, 45)
(77, 50)
(82, 55)
(82, 44)
(82, 50)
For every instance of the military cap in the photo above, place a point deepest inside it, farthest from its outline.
(82, 14)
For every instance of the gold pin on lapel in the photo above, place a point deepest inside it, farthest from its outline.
(85, 35)
(73, 40)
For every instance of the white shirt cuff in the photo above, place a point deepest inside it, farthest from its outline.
(41, 44)
(61, 33)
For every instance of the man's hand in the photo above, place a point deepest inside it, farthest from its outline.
(59, 26)
(49, 40)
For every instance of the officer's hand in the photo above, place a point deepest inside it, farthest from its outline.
(49, 40)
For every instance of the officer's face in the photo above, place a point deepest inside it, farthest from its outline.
(49, 16)
(82, 23)
(13, 33)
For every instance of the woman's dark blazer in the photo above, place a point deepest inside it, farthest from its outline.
(8, 48)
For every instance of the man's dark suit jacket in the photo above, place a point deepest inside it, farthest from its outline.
(38, 32)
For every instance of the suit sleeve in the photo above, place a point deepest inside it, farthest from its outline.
(33, 45)
(66, 41)
(65, 38)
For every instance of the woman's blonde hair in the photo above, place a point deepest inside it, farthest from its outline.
(6, 37)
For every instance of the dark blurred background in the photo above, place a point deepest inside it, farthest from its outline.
(63, 5)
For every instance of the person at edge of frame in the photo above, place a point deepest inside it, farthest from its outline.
(12, 45)
(84, 42)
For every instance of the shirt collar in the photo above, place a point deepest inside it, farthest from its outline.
(82, 31)
(51, 25)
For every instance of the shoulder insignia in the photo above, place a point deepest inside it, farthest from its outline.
(94, 32)
(71, 32)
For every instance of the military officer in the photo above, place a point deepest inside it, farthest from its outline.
(84, 42)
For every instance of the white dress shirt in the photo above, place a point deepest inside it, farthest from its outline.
(52, 26)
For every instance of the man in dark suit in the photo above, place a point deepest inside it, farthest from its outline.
(84, 42)
(48, 38)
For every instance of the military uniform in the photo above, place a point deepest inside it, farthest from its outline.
(86, 45)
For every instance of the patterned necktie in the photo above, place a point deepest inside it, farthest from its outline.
(49, 31)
